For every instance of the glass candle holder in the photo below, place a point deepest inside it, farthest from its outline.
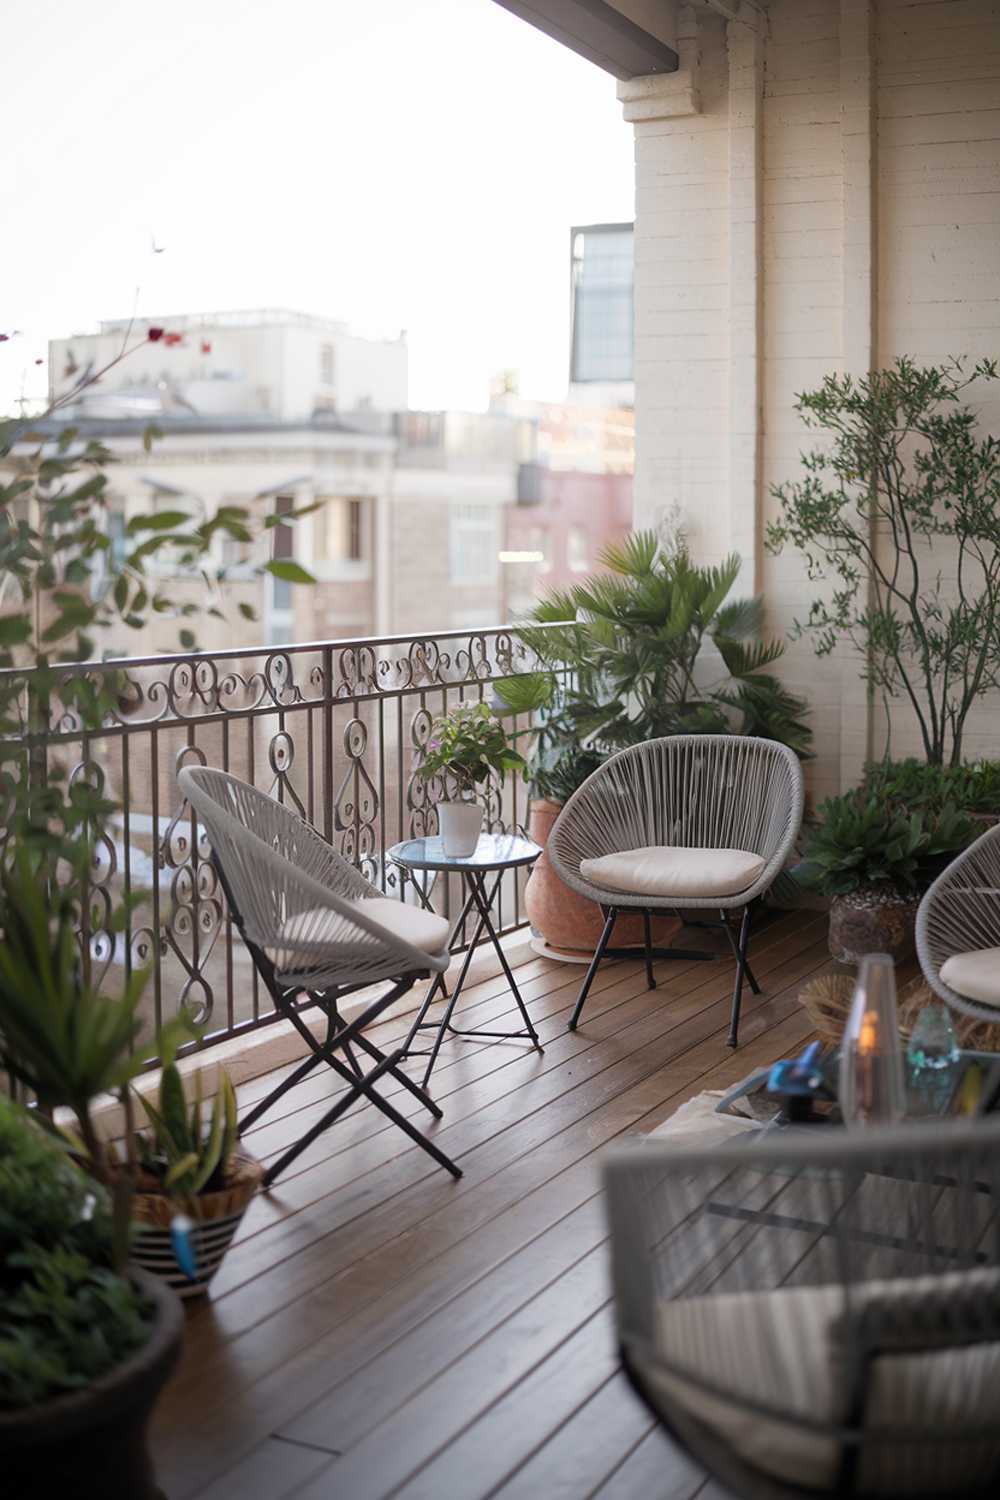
(872, 1076)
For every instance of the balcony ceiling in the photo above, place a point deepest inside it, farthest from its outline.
(600, 32)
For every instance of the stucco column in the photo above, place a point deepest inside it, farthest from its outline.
(699, 288)
(746, 290)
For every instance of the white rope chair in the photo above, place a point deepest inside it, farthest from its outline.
(700, 821)
(958, 930)
(316, 931)
(817, 1311)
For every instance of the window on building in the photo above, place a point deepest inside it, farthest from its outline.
(474, 544)
(602, 278)
(577, 550)
(327, 364)
(339, 529)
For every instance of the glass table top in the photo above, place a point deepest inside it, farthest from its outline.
(494, 851)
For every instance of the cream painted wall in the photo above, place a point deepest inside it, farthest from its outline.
(816, 190)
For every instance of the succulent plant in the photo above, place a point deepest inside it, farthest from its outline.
(184, 1153)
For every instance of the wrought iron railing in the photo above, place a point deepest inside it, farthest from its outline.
(333, 728)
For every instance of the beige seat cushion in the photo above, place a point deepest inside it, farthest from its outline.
(667, 870)
(787, 1349)
(975, 974)
(422, 929)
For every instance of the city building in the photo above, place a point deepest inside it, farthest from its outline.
(277, 411)
(602, 274)
(573, 501)
(273, 362)
(421, 511)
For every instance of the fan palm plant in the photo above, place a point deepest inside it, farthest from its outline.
(655, 646)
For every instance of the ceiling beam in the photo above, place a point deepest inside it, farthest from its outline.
(598, 31)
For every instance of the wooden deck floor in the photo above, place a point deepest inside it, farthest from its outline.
(380, 1330)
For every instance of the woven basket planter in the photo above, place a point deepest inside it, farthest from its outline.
(827, 1002)
(216, 1218)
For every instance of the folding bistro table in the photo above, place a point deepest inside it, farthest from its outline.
(481, 873)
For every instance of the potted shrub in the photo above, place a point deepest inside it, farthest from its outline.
(874, 861)
(465, 747)
(918, 786)
(59, 1037)
(84, 1346)
(195, 1169)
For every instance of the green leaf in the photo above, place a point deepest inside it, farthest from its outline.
(180, 1169)
(161, 520)
(246, 610)
(288, 571)
(14, 630)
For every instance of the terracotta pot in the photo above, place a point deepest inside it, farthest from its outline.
(91, 1444)
(876, 919)
(566, 920)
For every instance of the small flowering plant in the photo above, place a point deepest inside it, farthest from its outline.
(468, 743)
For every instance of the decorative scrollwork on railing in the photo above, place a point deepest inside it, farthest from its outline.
(184, 689)
(281, 758)
(356, 805)
(336, 730)
(422, 793)
(99, 903)
(195, 915)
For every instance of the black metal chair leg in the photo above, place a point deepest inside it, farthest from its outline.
(598, 955)
(361, 1088)
(647, 932)
(741, 969)
(401, 1077)
(407, 1126)
(302, 1071)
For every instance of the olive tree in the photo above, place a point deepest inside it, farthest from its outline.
(900, 513)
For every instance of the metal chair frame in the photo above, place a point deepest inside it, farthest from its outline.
(959, 912)
(389, 959)
(712, 791)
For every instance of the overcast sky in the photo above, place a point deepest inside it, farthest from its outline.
(396, 163)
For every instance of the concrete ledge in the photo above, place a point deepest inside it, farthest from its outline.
(659, 96)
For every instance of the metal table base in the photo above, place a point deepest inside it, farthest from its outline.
(479, 899)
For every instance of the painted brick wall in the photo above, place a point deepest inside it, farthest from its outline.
(830, 199)
(938, 96)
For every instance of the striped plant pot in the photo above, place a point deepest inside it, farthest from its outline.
(216, 1219)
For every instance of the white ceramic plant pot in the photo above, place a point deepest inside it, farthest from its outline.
(461, 824)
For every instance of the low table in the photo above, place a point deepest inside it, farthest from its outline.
(494, 855)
